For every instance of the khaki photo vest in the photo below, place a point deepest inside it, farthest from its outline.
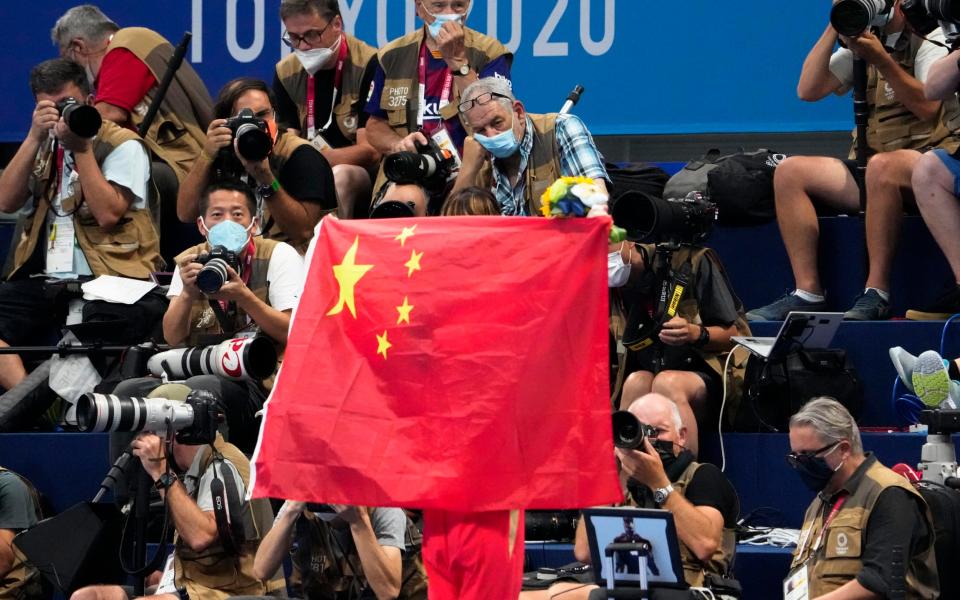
(130, 249)
(283, 149)
(838, 559)
(179, 130)
(22, 581)
(891, 125)
(293, 77)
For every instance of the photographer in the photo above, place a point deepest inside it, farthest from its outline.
(126, 66)
(516, 154)
(352, 552)
(83, 202)
(293, 182)
(259, 298)
(663, 474)
(868, 532)
(321, 89)
(901, 123)
(414, 198)
(204, 564)
(683, 359)
(19, 511)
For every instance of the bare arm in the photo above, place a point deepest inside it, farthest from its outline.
(816, 79)
(943, 78)
(474, 158)
(107, 202)
(700, 528)
(6, 551)
(111, 112)
(197, 180)
(271, 321)
(852, 590)
(387, 141)
(273, 547)
(13, 181)
(382, 565)
(176, 319)
(581, 547)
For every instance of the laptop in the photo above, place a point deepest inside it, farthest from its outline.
(799, 330)
(606, 526)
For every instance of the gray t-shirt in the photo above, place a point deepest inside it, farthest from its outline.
(390, 526)
(17, 511)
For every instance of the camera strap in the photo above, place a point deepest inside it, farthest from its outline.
(226, 318)
(225, 503)
(672, 289)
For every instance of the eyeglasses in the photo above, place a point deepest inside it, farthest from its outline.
(311, 37)
(457, 6)
(482, 99)
(795, 459)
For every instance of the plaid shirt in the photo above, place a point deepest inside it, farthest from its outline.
(578, 157)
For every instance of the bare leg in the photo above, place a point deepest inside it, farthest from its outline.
(797, 181)
(637, 384)
(99, 592)
(888, 179)
(564, 590)
(689, 393)
(933, 186)
(12, 371)
(352, 183)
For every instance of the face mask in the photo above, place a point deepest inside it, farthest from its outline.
(438, 21)
(618, 272)
(317, 58)
(502, 145)
(231, 235)
(665, 451)
(815, 472)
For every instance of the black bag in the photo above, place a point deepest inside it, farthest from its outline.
(776, 389)
(636, 177)
(741, 184)
(944, 506)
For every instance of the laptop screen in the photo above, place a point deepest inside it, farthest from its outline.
(652, 529)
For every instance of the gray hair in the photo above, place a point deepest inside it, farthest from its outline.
(86, 22)
(831, 420)
(674, 410)
(496, 85)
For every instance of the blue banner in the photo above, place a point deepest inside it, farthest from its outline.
(648, 67)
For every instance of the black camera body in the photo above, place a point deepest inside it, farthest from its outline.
(254, 142)
(430, 166)
(629, 432)
(688, 220)
(214, 272)
(925, 15)
(82, 119)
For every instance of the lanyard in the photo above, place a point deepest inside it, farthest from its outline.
(312, 92)
(833, 512)
(444, 95)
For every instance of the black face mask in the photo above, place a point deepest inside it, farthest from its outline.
(814, 470)
(665, 451)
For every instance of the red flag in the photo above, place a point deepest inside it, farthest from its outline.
(456, 363)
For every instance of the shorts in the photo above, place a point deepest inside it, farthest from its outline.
(26, 311)
(952, 163)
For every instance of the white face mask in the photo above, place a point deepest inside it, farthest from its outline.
(618, 272)
(317, 58)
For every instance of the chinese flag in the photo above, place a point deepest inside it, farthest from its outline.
(453, 363)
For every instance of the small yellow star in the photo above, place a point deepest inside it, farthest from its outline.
(383, 345)
(407, 232)
(348, 273)
(404, 311)
(414, 263)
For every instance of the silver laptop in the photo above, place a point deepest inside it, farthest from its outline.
(799, 330)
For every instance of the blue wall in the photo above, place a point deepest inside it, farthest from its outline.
(656, 67)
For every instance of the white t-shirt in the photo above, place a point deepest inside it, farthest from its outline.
(841, 62)
(127, 166)
(284, 274)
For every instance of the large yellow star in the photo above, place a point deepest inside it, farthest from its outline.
(404, 311)
(414, 263)
(383, 345)
(407, 232)
(348, 273)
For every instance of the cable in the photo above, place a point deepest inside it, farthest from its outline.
(723, 403)
(943, 334)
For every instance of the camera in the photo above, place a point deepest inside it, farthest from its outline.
(646, 218)
(430, 166)
(214, 272)
(852, 17)
(194, 420)
(254, 142)
(82, 119)
(238, 359)
(628, 432)
(925, 15)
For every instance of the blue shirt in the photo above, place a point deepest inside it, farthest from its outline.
(579, 157)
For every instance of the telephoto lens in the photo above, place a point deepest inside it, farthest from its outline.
(82, 119)
(409, 167)
(853, 17)
(212, 276)
(629, 432)
(107, 412)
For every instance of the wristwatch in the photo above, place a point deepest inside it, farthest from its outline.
(165, 481)
(267, 191)
(463, 71)
(704, 338)
(660, 494)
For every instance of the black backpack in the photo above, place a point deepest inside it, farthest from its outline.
(944, 506)
(636, 177)
(741, 184)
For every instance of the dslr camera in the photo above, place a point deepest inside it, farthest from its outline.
(629, 432)
(646, 218)
(82, 119)
(214, 272)
(852, 17)
(430, 166)
(195, 420)
(253, 137)
(925, 15)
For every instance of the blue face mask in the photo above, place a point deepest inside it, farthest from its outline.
(502, 145)
(438, 21)
(231, 235)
